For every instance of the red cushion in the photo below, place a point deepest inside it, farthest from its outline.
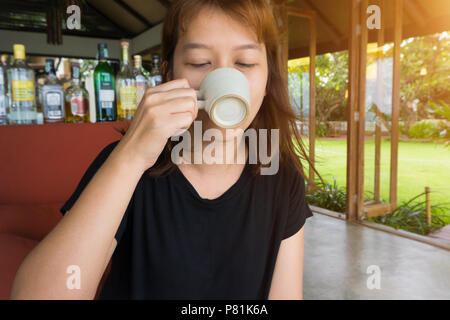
(13, 250)
(29, 221)
(44, 163)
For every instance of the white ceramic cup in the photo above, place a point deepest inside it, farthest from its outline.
(225, 96)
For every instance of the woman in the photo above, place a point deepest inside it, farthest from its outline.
(187, 231)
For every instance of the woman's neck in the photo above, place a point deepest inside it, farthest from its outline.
(217, 157)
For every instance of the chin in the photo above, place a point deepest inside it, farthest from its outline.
(227, 134)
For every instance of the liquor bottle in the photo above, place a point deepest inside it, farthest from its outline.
(3, 91)
(21, 90)
(76, 98)
(104, 87)
(52, 95)
(66, 80)
(141, 79)
(156, 77)
(40, 76)
(146, 72)
(125, 87)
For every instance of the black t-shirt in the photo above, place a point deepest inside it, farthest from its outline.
(173, 244)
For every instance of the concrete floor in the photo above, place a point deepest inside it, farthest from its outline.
(337, 255)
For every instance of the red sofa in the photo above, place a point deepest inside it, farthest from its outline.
(40, 167)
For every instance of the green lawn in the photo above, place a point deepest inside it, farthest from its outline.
(420, 164)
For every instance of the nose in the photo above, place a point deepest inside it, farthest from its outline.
(224, 62)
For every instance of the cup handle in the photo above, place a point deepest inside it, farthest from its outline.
(200, 103)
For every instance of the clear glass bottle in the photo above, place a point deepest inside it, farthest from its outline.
(104, 86)
(41, 76)
(125, 87)
(52, 95)
(21, 90)
(3, 91)
(156, 77)
(76, 98)
(147, 73)
(140, 78)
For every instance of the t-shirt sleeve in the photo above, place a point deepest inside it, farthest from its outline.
(299, 209)
(86, 178)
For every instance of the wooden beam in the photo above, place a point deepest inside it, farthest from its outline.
(351, 110)
(336, 35)
(398, 14)
(322, 48)
(379, 105)
(98, 12)
(134, 13)
(369, 202)
(439, 24)
(376, 210)
(299, 12)
(361, 118)
(74, 46)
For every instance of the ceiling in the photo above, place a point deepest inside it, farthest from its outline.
(420, 17)
(113, 19)
(116, 19)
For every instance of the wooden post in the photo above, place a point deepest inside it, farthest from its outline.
(361, 119)
(378, 124)
(398, 14)
(427, 197)
(311, 16)
(352, 111)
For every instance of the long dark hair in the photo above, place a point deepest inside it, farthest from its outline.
(276, 111)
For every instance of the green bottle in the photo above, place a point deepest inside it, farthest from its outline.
(104, 83)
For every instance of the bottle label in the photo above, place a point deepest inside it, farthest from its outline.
(75, 72)
(79, 106)
(53, 106)
(23, 90)
(127, 97)
(53, 99)
(140, 89)
(107, 98)
(2, 106)
(106, 94)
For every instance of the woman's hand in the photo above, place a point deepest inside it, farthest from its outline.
(166, 110)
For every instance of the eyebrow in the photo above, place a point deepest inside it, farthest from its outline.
(195, 45)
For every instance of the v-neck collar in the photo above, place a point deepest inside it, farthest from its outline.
(228, 194)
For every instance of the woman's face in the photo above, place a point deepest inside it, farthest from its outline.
(211, 41)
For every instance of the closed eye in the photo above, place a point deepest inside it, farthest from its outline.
(246, 65)
(198, 65)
